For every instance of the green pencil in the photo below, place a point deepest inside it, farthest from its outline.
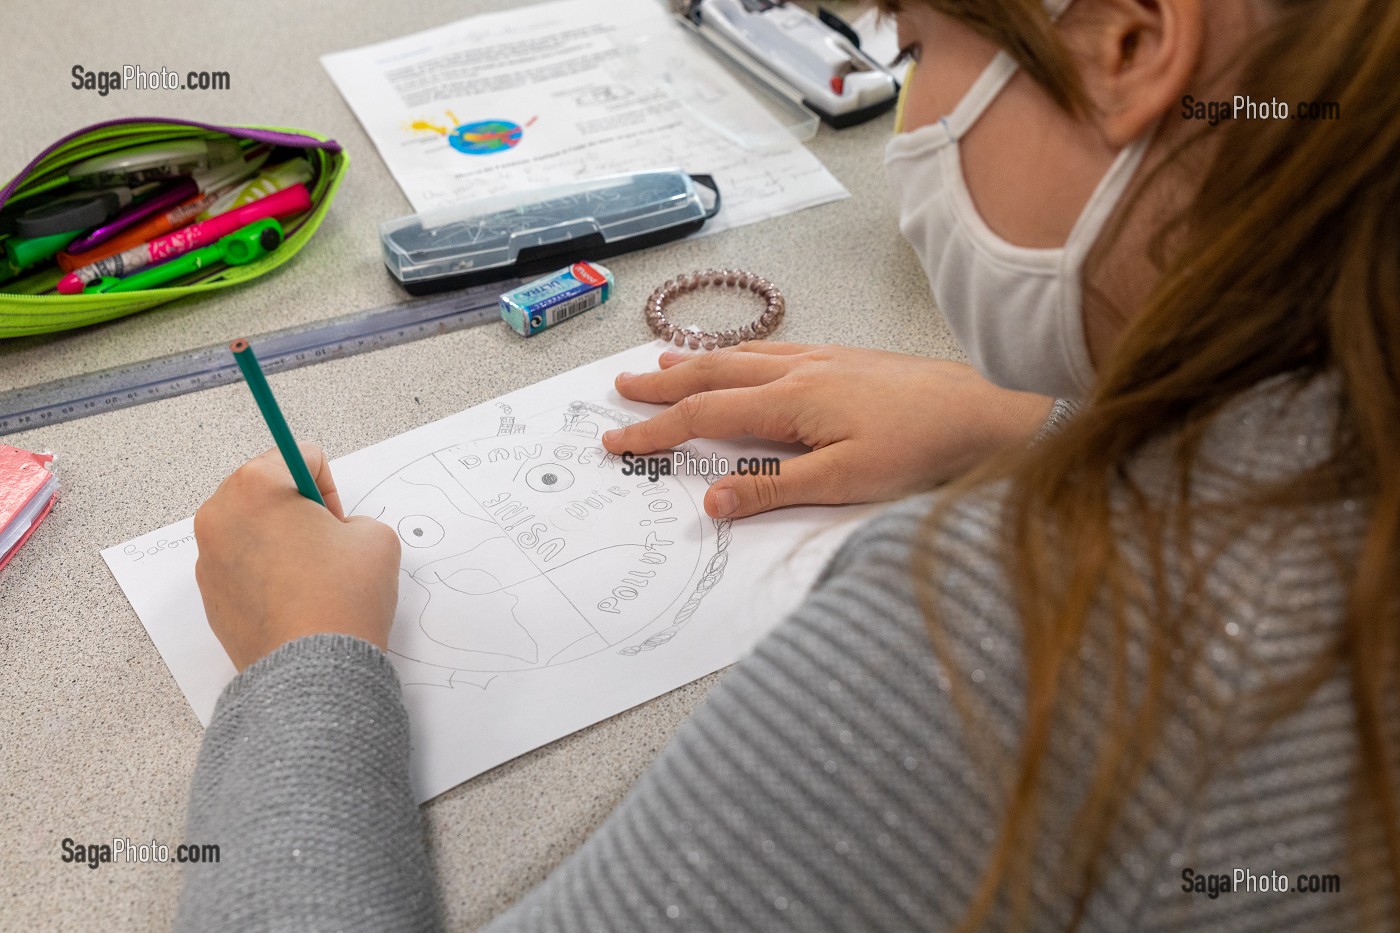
(272, 414)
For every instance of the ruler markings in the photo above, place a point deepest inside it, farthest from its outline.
(206, 367)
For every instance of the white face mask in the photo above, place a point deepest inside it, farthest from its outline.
(1016, 311)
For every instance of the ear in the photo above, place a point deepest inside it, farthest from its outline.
(1139, 56)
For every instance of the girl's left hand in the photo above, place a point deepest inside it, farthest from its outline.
(880, 425)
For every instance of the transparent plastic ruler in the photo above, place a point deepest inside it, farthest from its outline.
(168, 376)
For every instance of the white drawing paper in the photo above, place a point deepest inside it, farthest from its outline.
(557, 92)
(542, 589)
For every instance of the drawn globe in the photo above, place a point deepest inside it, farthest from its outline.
(528, 550)
(485, 137)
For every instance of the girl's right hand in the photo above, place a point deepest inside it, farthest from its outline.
(274, 566)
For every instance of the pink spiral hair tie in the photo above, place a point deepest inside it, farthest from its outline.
(693, 337)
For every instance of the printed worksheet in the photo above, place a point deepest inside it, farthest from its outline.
(545, 584)
(563, 91)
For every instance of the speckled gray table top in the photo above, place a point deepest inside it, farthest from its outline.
(96, 740)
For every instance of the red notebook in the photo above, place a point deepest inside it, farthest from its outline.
(28, 489)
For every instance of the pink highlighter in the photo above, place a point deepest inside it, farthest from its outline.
(279, 204)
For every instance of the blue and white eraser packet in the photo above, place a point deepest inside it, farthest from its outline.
(557, 297)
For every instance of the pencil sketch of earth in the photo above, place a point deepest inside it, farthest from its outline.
(524, 550)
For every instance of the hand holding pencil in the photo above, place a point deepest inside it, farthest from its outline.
(274, 567)
(279, 559)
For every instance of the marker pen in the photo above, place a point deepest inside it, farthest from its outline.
(250, 243)
(292, 201)
(173, 219)
(23, 252)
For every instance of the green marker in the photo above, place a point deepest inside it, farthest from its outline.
(272, 414)
(242, 246)
(23, 253)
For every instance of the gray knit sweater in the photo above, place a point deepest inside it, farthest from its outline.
(828, 782)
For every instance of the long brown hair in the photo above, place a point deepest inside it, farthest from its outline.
(1286, 263)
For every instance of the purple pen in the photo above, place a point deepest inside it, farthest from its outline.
(173, 193)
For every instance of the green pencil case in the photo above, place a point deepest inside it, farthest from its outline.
(30, 305)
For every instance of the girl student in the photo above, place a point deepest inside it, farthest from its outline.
(1106, 676)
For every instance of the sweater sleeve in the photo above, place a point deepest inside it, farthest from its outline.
(1060, 413)
(824, 783)
(303, 783)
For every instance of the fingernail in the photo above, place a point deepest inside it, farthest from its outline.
(611, 436)
(671, 356)
(726, 502)
(626, 375)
